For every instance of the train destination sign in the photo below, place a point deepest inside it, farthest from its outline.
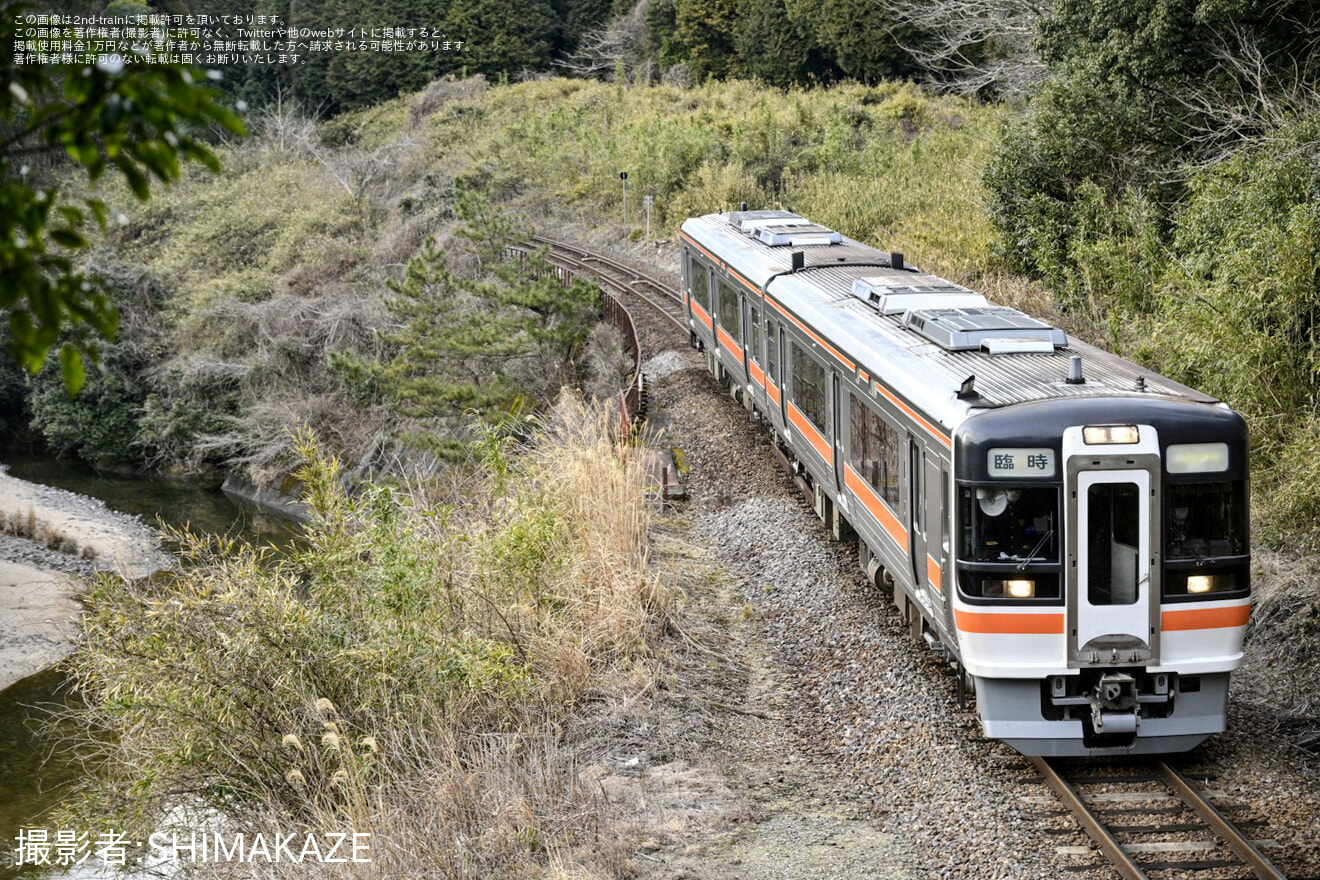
(1017, 462)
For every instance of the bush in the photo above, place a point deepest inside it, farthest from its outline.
(374, 680)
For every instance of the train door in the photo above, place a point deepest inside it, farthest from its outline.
(1112, 564)
(754, 359)
(836, 408)
(917, 511)
(774, 370)
(940, 537)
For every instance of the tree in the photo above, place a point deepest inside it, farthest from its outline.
(861, 37)
(140, 120)
(1139, 95)
(705, 29)
(502, 36)
(774, 47)
(496, 341)
(976, 46)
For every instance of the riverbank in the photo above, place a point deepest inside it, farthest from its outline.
(54, 537)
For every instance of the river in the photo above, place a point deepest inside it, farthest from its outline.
(34, 775)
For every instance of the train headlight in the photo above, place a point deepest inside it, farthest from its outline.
(1021, 589)
(1017, 588)
(1107, 435)
(1199, 584)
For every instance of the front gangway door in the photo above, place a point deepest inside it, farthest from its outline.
(1114, 602)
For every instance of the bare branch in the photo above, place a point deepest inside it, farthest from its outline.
(602, 49)
(1249, 94)
(972, 45)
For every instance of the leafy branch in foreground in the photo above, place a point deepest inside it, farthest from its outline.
(141, 120)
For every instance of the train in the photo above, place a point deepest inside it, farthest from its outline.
(1068, 529)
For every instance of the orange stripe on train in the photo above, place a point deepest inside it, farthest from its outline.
(758, 374)
(1007, 623)
(814, 437)
(872, 502)
(702, 315)
(1204, 618)
(730, 343)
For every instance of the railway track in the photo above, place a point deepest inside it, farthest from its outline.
(617, 276)
(1150, 821)
(1147, 819)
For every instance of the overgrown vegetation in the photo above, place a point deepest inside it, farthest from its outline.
(423, 643)
(1169, 199)
(141, 122)
(299, 287)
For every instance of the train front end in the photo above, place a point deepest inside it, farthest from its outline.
(1102, 570)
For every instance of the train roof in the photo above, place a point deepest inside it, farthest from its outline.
(925, 335)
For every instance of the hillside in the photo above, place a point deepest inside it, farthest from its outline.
(235, 287)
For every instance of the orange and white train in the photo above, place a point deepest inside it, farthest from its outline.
(1068, 528)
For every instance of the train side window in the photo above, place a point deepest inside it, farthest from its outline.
(809, 390)
(875, 450)
(772, 349)
(730, 310)
(699, 279)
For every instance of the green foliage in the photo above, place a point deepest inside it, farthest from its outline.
(1238, 307)
(346, 684)
(139, 120)
(464, 342)
(862, 39)
(773, 46)
(101, 423)
(1168, 198)
(1128, 106)
(705, 31)
(219, 677)
(278, 267)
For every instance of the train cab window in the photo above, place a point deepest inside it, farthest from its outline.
(730, 310)
(1204, 520)
(1205, 540)
(875, 450)
(1010, 524)
(809, 389)
(772, 349)
(699, 279)
(1009, 540)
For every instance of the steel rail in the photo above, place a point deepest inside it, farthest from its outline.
(621, 277)
(1099, 834)
(1212, 817)
(1183, 790)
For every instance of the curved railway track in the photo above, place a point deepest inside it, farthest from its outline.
(1150, 821)
(617, 276)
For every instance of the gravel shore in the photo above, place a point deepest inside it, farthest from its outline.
(74, 536)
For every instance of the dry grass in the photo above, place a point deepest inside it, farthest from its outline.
(26, 524)
(411, 674)
(1282, 669)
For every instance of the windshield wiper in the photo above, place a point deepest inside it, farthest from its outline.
(1023, 561)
